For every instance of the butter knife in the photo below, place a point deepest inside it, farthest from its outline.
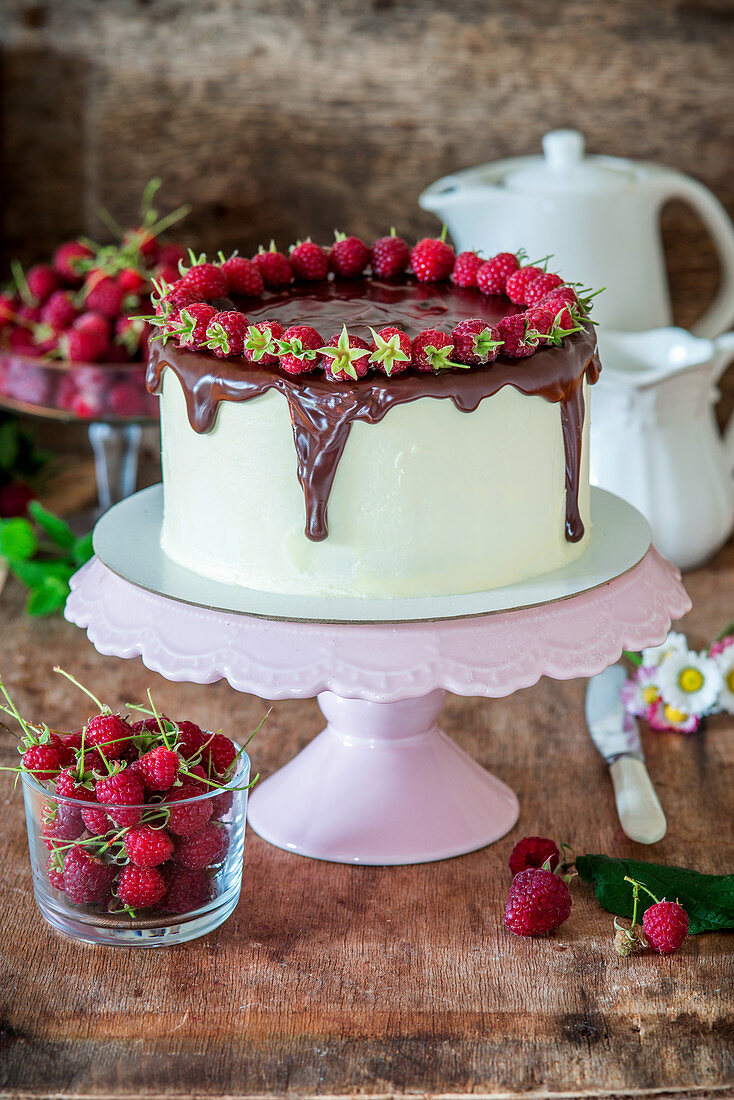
(616, 735)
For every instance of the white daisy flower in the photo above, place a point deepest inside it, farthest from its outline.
(725, 664)
(674, 643)
(640, 691)
(689, 682)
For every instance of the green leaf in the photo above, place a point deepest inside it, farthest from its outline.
(82, 549)
(707, 899)
(50, 596)
(17, 539)
(54, 527)
(35, 573)
(9, 444)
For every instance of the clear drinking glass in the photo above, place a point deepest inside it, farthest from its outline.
(199, 896)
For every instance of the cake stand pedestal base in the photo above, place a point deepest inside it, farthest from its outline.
(382, 780)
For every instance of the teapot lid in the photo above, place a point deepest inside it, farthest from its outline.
(564, 167)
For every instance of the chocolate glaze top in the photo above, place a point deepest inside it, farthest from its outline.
(322, 410)
(361, 303)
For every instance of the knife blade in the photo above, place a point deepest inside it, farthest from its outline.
(617, 737)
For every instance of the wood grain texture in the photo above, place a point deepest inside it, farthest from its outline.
(287, 117)
(332, 980)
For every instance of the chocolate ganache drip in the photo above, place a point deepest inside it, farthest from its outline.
(322, 411)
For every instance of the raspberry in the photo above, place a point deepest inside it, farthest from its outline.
(55, 874)
(226, 333)
(432, 260)
(389, 256)
(148, 847)
(261, 343)
(274, 267)
(95, 327)
(309, 261)
(475, 342)
(122, 788)
(87, 879)
(665, 925)
(561, 302)
(220, 753)
(518, 339)
(15, 496)
(79, 347)
(190, 818)
(159, 768)
(59, 311)
(345, 357)
(61, 821)
(68, 785)
(131, 281)
(187, 890)
(171, 254)
(349, 257)
(516, 286)
(492, 277)
(96, 820)
(193, 321)
(103, 294)
(221, 804)
(392, 351)
(190, 738)
(242, 277)
(181, 294)
(198, 778)
(202, 849)
(299, 349)
(541, 286)
(140, 887)
(540, 319)
(42, 281)
(538, 902)
(41, 761)
(533, 851)
(109, 733)
(431, 350)
(466, 266)
(206, 281)
(21, 341)
(69, 744)
(68, 257)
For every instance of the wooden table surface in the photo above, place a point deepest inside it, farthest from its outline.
(333, 980)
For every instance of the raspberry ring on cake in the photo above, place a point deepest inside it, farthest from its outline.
(313, 352)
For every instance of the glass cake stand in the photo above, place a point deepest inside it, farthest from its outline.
(110, 397)
(381, 784)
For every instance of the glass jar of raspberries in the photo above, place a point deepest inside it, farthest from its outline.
(136, 829)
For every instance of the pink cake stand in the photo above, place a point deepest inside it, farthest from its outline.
(381, 784)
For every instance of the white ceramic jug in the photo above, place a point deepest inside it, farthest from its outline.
(598, 216)
(655, 440)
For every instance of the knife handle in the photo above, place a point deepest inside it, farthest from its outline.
(640, 813)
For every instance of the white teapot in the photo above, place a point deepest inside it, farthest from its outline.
(599, 217)
(655, 440)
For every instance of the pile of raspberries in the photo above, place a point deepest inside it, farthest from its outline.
(187, 311)
(119, 823)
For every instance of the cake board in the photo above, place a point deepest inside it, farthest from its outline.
(382, 784)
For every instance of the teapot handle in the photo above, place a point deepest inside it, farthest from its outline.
(721, 311)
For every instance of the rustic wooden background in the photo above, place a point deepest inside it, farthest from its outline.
(287, 117)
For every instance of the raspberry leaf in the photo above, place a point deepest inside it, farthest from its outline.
(54, 526)
(17, 539)
(707, 899)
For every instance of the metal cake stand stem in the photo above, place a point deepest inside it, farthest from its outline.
(381, 784)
